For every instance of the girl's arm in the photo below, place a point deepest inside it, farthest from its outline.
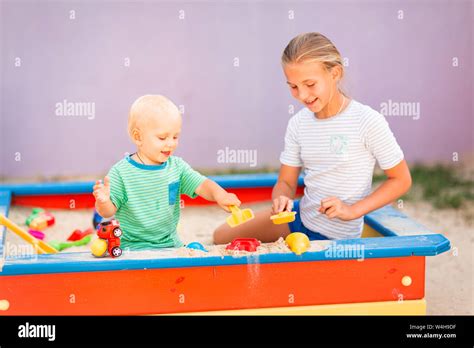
(398, 183)
(285, 188)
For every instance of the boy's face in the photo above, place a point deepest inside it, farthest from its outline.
(159, 136)
(311, 83)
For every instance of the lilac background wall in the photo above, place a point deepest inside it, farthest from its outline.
(191, 61)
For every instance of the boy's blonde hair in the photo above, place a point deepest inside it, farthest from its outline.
(310, 47)
(141, 108)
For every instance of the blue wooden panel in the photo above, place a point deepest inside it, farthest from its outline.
(5, 199)
(392, 222)
(48, 188)
(226, 181)
(405, 237)
(425, 245)
(249, 180)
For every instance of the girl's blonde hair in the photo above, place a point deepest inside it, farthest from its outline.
(310, 47)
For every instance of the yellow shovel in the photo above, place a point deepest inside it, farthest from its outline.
(238, 216)
(283, 218)
(40, 246)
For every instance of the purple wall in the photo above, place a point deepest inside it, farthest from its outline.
(191, 61)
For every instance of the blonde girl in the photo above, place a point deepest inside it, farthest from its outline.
(336, 141)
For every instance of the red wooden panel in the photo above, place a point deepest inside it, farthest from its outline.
(67, 201)
(82, 201)
(214, 288)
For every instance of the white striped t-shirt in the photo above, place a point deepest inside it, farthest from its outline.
(338, 156)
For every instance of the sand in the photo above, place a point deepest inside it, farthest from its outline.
(449, 282)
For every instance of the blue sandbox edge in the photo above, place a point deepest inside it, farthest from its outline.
(393, 245)
(400, 246)
(5, 200)
(52, 188)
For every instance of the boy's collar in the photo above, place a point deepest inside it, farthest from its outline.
(145, 166)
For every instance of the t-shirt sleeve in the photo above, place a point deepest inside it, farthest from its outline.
(291, 155)
(381, 142)
(117, 188)
(190, 180)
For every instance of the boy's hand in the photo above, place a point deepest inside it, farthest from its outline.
(102, 190)
(225, 199)
(333, 207)
(282, 203)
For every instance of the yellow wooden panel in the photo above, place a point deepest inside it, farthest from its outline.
(409, 307)
(369, 232)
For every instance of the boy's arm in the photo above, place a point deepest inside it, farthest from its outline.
(103, 203)
(211, 191)
(105, 209)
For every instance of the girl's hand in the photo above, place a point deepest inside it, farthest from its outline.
(282, 203)
(225, 199)
(102, 190)
(333, 207)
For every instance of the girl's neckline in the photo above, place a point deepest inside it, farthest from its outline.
(343, 111)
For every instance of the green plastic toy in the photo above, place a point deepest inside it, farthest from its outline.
(60, 246)
(34, 214)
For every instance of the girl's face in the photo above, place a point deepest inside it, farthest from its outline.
(312, 84)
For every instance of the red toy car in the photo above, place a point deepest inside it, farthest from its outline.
(111, 232)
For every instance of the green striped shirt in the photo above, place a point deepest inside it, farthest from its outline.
(147, 198)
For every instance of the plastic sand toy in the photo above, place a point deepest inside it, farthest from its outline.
(110, 233)
(39, 246)
(283, 218)
(197, 246)
(244, 244)
(99, 247)
(60, 246)
(298, 242)
(239, 216)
